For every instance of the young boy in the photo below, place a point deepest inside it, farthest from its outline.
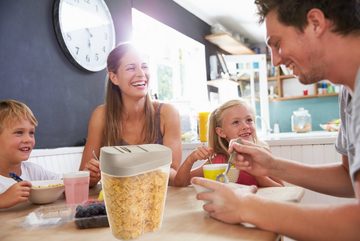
(17, 139)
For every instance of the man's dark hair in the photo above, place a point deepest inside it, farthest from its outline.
(345, 14)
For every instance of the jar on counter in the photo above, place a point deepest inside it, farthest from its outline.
(301, 121)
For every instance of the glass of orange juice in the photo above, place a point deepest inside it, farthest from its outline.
(203, 126)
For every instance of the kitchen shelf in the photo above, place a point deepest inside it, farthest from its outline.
(279, 83)
(228, 43)
(302, 97)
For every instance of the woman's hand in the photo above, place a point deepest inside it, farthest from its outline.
(222, 202)
(94, 168)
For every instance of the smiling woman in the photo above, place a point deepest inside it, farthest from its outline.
(129, 116)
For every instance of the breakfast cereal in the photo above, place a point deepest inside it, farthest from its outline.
(135, 203)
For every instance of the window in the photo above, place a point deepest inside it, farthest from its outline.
(177, 62)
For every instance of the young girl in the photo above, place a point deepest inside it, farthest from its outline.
(17, 139)
(234, 119)
(129, 116)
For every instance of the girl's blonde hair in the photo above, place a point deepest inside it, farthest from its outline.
(220, 145)
(114, 105)
(12, 111)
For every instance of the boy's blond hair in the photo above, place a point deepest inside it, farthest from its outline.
(12, 111)
(220, 145)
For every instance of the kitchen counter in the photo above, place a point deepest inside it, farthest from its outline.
(288, 138)
(309, 138)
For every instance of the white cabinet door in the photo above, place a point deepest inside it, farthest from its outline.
(313, 155)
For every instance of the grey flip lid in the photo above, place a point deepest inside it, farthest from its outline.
(131, 160)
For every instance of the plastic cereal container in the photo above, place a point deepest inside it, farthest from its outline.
(134, 179)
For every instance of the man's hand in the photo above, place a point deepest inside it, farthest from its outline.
(252, 158)
(222, 202)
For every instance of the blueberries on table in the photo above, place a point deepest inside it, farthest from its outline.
(91, 215)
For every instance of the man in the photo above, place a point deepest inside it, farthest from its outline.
(318, 40)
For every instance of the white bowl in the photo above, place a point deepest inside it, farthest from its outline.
(46, 191)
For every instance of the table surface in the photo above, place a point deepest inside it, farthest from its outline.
(184, 219)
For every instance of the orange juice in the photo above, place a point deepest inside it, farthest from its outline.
(203, 126)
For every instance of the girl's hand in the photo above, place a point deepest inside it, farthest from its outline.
(94, 168)
(17, 193)
(201, 153)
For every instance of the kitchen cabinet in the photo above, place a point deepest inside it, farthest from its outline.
(278, 84)
(58, 160)
(228, 43)
(312, 148)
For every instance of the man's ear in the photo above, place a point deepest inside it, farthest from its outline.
(317, 21)
(220, 132)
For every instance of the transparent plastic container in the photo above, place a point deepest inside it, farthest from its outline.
(301, 121)
(134, 180)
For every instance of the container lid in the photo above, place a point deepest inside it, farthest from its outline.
(76, 174)
(301, 111)
(131, 160)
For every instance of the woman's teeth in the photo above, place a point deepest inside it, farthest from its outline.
(137, 84)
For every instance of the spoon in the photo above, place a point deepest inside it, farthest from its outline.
(223, 176)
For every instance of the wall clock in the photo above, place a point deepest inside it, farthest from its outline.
(85, 32)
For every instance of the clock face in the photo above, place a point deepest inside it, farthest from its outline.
(85, 32)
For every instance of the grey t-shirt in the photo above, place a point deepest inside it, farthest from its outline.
(348, 141)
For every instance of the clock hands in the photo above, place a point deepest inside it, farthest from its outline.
(86, 46)
(90, 35)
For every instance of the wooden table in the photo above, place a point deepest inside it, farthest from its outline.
(184, 219)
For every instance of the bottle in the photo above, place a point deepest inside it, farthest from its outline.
(301, 121)
(276, 128)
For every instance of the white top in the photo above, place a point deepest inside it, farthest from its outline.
(348, 142)
(29, 172)
(355, 166)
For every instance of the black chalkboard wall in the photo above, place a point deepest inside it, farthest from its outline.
(33, 69)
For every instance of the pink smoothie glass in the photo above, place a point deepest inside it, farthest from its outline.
(76, 187)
